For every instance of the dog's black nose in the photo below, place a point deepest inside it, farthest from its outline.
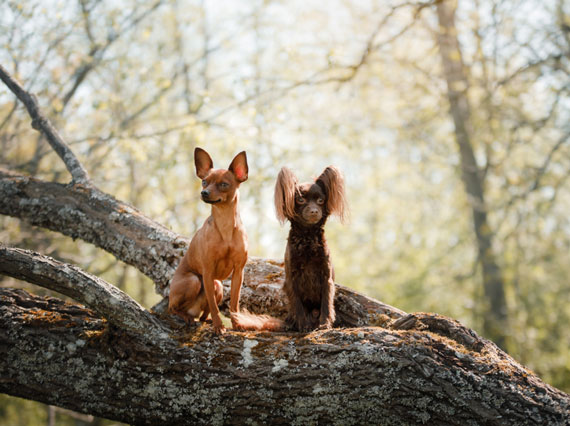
(205, 193)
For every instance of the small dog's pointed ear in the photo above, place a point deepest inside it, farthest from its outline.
(285, 189)
(239, 167)
(332, 182)
(203, 162)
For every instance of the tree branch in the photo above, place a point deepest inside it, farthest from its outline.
(412, 373)
(262, 294)
(105, 299)
(97, 218)
(552, 58)
(540, 172)
(97, 51)
(42, 124)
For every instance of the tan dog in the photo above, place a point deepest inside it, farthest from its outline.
(219, 248)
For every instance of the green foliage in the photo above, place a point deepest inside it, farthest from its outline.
(21, 412)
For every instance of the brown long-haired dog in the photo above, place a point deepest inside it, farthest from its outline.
(218, 249)
(309, 274)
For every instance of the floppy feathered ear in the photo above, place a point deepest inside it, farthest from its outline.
(239, 167)
(203, 162)
(332, 182)
(285, 189)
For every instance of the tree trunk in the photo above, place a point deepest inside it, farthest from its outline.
(432, 371)
(494, 324)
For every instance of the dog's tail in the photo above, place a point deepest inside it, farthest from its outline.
(245, 320)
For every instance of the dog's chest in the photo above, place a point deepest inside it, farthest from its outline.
(227, 256)
(309, 266)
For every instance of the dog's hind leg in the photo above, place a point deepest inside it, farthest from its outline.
(184, 296)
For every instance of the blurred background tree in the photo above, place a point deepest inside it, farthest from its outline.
(449, 119)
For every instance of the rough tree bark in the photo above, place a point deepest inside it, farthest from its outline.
(495, 323)
(418, 369)
(84, 212)
(114, 359)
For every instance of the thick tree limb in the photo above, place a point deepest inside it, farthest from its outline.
(61, 354)
(85, 212)
(42, 124)
(105, 299)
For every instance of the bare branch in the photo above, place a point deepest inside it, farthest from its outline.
(348, 72)
(552, 59)
(97, 51)
(42, 124)
(540, 172)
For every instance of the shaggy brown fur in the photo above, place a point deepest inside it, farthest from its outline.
(309, 274)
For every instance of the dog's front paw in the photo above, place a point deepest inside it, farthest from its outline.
(325, 322)
(219, 330)
(304, 326)
(218, 326)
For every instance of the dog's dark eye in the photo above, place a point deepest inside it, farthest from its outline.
(204, 183)
(224, 185)
(320, 201)
(300, 200)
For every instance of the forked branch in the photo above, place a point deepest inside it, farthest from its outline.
(105, 299)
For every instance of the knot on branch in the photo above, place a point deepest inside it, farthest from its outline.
(39, 122)
(408, 322)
